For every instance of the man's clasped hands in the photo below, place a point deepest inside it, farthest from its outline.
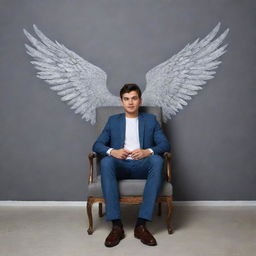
(136, 154)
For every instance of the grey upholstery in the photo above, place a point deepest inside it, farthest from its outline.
(128, 187)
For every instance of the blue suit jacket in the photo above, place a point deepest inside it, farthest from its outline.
(150, 134)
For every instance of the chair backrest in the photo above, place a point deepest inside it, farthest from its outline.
(103, 113)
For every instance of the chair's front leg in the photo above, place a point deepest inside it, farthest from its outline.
(169, 215)
(89, 213)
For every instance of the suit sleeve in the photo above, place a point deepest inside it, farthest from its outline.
(101, 145)
(161, 142)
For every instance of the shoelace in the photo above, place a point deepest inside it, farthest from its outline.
(144, 229)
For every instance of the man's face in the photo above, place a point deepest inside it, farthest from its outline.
(131, 102)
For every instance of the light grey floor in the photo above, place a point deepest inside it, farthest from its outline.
(61, 231)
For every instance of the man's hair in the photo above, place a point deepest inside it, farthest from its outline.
(128, 88)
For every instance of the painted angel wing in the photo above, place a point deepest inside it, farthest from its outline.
(172, 83)
(76, 80)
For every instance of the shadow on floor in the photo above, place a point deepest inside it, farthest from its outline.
(181, 218)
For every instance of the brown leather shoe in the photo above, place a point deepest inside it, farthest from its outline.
(144, 235)
(115, 236)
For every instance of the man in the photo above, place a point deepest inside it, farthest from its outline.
(131, 144)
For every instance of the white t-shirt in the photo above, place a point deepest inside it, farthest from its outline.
(132, 140)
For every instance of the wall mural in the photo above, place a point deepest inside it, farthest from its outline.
(84, 86)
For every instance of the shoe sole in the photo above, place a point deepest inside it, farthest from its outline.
(144, 242)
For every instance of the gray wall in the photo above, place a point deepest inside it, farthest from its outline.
(44, 145)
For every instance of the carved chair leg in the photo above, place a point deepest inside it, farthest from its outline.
(89, 213)
(100, 210)
(159, 212)
(169, 215)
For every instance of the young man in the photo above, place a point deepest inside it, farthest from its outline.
(131, 144)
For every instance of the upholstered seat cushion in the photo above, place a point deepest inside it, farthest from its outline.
(129, 187)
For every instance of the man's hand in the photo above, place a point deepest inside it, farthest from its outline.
(140, 153)
(120, 153)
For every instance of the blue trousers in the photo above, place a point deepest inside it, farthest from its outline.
(113, 169)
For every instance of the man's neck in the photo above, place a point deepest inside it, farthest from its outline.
(133, 115)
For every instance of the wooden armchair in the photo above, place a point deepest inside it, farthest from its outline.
(131, 190)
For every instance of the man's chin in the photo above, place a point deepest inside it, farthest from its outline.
(131, 112)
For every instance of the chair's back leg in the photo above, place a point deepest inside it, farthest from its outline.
(159, 212)
(100, 210)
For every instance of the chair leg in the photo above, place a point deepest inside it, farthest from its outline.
(159, 212)
(100, 210)
(169, 215)
(89, 213)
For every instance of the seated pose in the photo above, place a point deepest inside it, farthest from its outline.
(131, 144)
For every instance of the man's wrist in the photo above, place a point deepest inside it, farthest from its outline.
(151, 151)
(109, 151)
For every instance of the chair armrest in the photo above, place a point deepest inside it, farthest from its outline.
(167, 157)
(91, 156)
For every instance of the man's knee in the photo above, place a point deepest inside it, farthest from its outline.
(156, 165)
(106, 163)
(156, 160)
(107, 160)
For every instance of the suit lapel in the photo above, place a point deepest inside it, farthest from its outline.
(141, 129)
(122, 130)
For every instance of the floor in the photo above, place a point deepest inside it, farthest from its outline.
(61, 231)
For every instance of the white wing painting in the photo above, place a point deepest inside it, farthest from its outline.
(168, 85)
(80, 83)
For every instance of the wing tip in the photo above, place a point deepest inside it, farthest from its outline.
(218, 24)
(25, 31)
(35, 27)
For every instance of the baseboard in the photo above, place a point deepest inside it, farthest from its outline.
(215, 203)
(42, 203)
(83, 203)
